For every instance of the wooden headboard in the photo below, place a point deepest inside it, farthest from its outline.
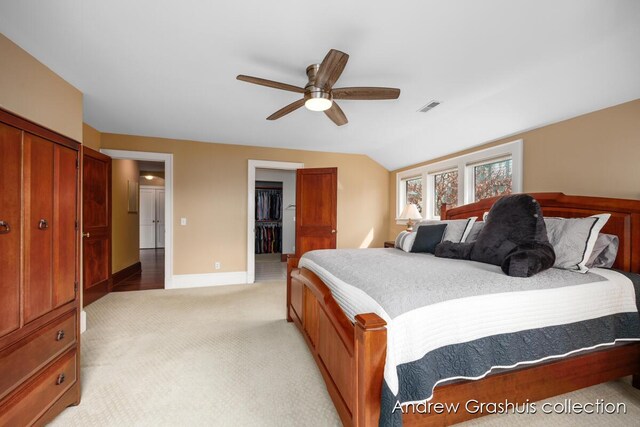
(624, 221)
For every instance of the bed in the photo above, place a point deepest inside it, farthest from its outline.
(348, 333)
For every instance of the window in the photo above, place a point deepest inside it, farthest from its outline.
(492, 179)
(413, 191)
(445, 190)
(464, 179)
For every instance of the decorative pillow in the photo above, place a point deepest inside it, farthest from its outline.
(513, 236)
(475, 230)
(427, 237)
(573, 240)
(604, 252)
(405, 240)
(457, 229)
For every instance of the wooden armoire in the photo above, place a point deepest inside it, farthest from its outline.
(39, 271)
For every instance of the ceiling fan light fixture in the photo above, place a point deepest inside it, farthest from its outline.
(317, 100)
(318, 104)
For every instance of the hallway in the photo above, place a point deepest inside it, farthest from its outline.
(152, 275)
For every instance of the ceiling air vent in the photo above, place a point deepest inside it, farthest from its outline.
(429, 106)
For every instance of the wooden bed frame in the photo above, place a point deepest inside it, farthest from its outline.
(351, 356)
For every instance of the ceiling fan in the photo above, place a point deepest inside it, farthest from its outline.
(319, 94)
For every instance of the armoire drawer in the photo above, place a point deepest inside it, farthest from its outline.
(21, 360)
(37, 396)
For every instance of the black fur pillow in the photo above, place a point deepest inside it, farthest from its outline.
(514, 237)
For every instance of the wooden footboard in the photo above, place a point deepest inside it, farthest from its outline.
(351, 358)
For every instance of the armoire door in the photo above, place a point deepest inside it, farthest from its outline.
(50, 197)
(10, 227)
(159, 218)
(65, 224)
(38, 221)
(147, 218)
(316, 209)
(96, 218)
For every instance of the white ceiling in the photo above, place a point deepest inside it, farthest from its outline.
(167, 68)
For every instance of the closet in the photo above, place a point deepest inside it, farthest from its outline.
(39, 314)
(269, 208)
(151, 217)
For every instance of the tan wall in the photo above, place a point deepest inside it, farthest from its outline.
(596, 154)
(125, 226)
(210, 190)
(31, 90)
(90, 137)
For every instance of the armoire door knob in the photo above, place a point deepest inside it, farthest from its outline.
(4, 227)
(43, 224)
(87, 235)
(60, 379)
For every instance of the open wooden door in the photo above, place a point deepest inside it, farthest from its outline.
(316, 209)
(96, 225)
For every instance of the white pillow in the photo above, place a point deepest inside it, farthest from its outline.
(405, 240)
(573, 240)
(604, 251)
(457, 229)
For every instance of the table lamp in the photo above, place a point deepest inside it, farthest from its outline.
(410, 213)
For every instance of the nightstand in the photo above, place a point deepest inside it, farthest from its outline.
(390, 244)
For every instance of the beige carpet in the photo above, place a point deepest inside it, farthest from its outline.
(225, 356)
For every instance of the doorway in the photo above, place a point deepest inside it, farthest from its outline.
(274, 222)
(271, 218)
(152, 242)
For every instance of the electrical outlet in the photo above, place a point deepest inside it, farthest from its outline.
(217, 265)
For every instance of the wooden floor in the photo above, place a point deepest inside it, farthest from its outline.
(152, 276)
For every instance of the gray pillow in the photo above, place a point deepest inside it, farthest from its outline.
(405, 240)
(475, 230)
(573, 240)
(604, 252)
(457, 229)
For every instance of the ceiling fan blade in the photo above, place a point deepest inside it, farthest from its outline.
(330, 69)
(270, 83)
(336, 114)
(286, 110)
(366, 93)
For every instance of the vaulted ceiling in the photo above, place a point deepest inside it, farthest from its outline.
(167, 68)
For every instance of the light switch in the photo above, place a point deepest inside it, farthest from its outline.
(183, 221)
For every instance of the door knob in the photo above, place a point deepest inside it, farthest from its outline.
(4, 227)
(43, 224)
(333, 231)
(87, 235)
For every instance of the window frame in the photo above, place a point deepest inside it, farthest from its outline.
(430, 194)
(464, 164)
(470, 185)
(403, 190)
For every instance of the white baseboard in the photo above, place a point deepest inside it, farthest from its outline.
(83, 321)
(182, 281)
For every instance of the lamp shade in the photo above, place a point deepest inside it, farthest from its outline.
(410, 211)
